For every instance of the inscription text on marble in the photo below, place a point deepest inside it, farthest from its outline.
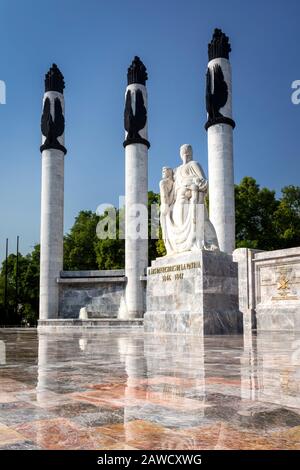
(175, 267)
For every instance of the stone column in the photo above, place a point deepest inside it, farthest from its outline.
(136, 190)
(52, 192)
(219, 128)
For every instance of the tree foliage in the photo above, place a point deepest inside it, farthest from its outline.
(110, 252)
(287, 218)
(22, 303)
(264, 222)
(79, 243)
(254, 212)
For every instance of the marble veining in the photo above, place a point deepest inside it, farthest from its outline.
(123, 389)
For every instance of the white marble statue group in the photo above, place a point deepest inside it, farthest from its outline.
(183, 214)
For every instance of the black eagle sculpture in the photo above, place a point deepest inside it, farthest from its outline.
(52, 129)
(218, 98)
(134, 123)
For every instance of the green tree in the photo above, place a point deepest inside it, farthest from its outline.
(110, 252)
(8, 312)
(31, 287)
(22, 307)
(79, 243)
(254, 210)
(287, 217)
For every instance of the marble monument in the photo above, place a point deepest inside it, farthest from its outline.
(194, 288)
(202, 285)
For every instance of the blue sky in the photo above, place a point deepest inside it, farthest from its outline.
(93, 42)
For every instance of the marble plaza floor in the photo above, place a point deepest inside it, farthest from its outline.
(126, 390)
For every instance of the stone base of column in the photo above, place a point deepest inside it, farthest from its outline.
(128, 314)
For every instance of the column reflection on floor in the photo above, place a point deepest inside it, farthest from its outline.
(127, 389)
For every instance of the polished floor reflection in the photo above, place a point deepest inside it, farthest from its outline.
(126, 390)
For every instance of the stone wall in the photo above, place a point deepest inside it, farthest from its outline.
(269, 288)
(268, 292)
(100, 292)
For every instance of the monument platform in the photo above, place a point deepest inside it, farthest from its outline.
(57, 324)
(193, 293)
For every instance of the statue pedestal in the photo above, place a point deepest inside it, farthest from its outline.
(193, 293)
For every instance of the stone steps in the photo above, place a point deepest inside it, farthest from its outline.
(56, 323)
